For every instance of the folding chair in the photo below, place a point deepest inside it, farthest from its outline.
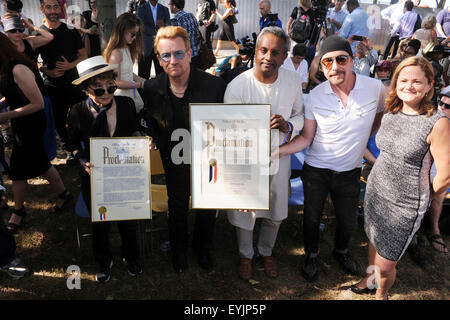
(81, 211)
(159, 205)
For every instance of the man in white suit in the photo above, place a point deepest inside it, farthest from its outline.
(267, 83)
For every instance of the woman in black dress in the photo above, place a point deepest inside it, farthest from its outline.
(21, 84)
(91, 28)
(228, 19)
(102, 115)
(14, 29)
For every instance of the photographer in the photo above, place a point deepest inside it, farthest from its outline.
(355, 23)
(268, 19)
(335, 18)
(206, 16)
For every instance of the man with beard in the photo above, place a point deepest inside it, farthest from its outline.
(340, 116)
(60, 58)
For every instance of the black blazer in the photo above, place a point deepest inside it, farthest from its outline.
(158, 109)
(144, 13)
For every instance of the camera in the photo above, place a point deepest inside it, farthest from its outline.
(320, 7)
(273, 18)
(248, 47)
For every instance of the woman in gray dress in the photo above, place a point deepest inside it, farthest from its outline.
(412, 135)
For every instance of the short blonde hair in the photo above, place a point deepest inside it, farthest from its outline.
(429, 22)
(172, 32)
(306, 3)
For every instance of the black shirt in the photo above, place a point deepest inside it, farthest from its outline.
(180, 109)
(205, 8)
(309, 13)
(94, 39)
(66, 43)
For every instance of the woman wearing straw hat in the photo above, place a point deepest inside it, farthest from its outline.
(102, 115)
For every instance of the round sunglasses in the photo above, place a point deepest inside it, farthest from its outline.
(101, 91)
(341, 60)
(179, 55)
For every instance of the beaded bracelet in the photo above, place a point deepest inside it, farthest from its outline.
(288, 133)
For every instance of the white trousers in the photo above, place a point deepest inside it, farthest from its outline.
(266, 241)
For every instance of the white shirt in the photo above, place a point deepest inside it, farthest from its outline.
(302, 68)
(342, 132)
(393, 13)
(286, 100)
(284, 95)
(405, 27)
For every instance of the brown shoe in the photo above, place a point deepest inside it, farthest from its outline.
(245, 269)
(270, 267)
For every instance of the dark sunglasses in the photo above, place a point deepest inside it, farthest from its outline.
(132, 35)
(101, 91)
(446, 106)
(341, 60)
(17, 30)
(179, 55)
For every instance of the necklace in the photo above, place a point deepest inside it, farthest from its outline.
(178, 93)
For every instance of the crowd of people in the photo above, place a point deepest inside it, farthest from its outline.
(332, 95)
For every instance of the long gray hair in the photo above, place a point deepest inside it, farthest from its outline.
(277, 32)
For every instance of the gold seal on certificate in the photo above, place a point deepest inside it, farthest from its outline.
(230, 156)
(102, 211)
(120, 179)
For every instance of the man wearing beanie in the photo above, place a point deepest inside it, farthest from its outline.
(340, 116)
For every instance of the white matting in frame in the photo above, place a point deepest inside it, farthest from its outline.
(120, 179)
(230, 156)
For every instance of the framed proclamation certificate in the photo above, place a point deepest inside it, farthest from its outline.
(230, 156)
(120, 179)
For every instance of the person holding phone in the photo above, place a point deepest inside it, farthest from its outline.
(354, 23)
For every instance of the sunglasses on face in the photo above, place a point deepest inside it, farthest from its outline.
(101, 91)
(17, 30)
(133, 34)
(341, 60)
(179, 55)
(446, 106)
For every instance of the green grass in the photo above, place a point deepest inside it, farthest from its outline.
(48, 246)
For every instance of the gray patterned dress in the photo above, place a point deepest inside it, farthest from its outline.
(398, 189)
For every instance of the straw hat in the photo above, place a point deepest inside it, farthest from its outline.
(91, 67)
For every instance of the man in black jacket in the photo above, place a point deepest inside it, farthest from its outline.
(166, 100)
(206, 16)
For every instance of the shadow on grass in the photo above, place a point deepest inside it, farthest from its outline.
(48, 246)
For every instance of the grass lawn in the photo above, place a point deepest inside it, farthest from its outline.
(48, 246)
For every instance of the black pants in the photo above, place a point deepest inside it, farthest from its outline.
(344, 189)
(393, 40)
(63, 97)
(206, 34)
(100, 233)
(7, 244)
(178, 190)
(145, 65)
